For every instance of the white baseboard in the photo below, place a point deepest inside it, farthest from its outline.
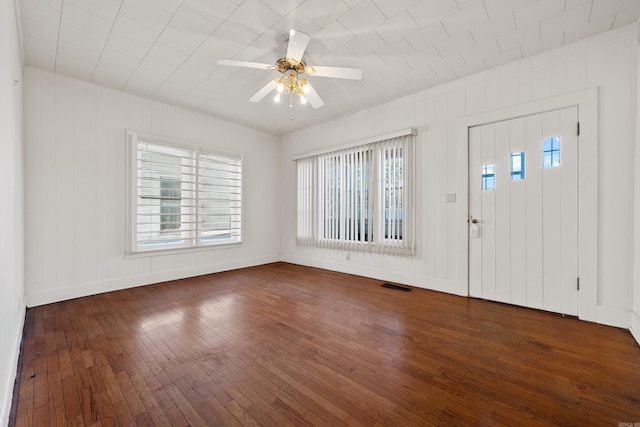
(450, 287)
(635, 326)
(12, 372)
(34, 299)
(613, 317)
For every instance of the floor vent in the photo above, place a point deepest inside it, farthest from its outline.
(396, 287)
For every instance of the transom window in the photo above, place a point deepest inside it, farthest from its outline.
(182, 197)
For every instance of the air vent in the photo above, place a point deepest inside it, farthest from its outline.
(396, 287)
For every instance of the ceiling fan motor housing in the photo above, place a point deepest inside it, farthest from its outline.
(285, 64)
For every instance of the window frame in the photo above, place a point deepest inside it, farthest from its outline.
(194, 241)
(382, 164)
(488, 177)
(552, 153)
(518, 175)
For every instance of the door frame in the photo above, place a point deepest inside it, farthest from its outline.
(587, 102)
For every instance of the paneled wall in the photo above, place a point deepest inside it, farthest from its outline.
(635, 316)
(607, 61)
(76, 183)
(11, 211)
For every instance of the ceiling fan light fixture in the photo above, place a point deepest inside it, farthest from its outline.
(292, 67)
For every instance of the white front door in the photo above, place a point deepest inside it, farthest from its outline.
(523, 206)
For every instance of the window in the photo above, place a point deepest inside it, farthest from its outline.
(488, 177)
(345, 200)
(551, 152)
(305, 199)
(358, 198)
(393, 189)
(182, 197)
(170, 200)
(517, 166)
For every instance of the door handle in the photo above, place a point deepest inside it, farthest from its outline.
(474, 229)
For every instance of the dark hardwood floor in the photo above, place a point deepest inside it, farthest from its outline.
(287, 345)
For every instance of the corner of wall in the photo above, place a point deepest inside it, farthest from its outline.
(635, 326)
(12, 372)
(12, 307)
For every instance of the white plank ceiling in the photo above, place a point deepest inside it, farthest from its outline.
(167, 50)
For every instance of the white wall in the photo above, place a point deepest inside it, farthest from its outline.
(75, 189)
(608, 61)
(11, 213)
(635, 316)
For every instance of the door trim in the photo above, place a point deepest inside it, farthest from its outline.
(587, 102)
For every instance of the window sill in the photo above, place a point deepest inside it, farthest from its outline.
(178, 251)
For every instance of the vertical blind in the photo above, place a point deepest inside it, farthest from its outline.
(358, 198)
(306, 206)
(182, 197)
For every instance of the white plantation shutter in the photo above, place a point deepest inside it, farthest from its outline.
(165, 200)
(359, 197)
(219, 197)
(182, 197)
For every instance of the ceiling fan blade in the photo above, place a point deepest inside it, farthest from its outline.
(313, 98)
(297, 44)
(336, 72)
(247, 64)
(264, 91)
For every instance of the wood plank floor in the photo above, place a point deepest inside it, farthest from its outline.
(280, 345)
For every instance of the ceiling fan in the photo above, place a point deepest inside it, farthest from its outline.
(292, 67)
